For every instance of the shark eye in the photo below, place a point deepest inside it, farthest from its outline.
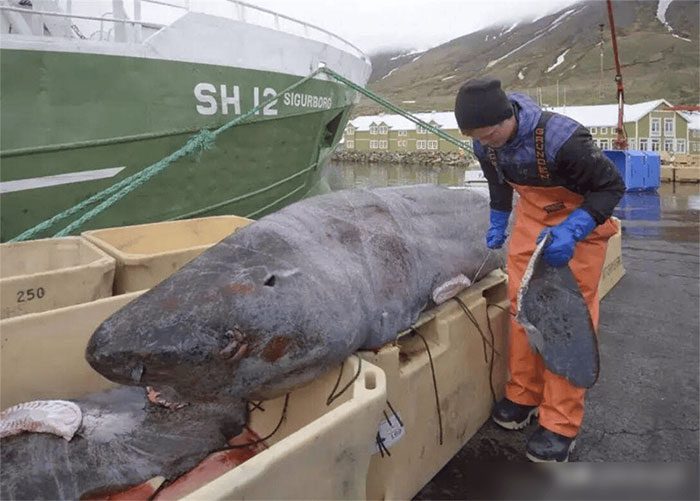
(270, 281)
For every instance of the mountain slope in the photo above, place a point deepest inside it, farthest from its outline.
(384, 63)
(659, 60)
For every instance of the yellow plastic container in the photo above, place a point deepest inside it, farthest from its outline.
(320, 450)
(147, 254)
(41, 275)
(613, 270)
(688, 174)
(42, 355)
(462, 375)
(667, 173)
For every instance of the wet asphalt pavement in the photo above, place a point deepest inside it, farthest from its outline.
(644, 407)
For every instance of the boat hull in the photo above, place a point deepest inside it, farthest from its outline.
(76, 123)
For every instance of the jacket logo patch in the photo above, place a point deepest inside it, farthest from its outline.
(539, 154)
(556, 206)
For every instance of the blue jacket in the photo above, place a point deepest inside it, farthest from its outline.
(572, 161)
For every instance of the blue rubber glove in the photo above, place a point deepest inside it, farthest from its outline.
(496, 236)
(564, 237)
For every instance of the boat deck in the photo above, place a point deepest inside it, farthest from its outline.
(644, 407)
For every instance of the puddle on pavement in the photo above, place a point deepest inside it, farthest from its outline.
(672, 214)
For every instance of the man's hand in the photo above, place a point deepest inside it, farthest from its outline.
(564, 237)
(496, 236)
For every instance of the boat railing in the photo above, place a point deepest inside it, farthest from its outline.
(117, 26)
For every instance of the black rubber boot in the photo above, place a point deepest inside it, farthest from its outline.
(545, 446)
(511, 416)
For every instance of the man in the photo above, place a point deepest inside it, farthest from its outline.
(566, 187)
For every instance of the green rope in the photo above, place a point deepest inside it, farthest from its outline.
(374, 97)
(203, 140)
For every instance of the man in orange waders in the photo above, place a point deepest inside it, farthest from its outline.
(566, 187)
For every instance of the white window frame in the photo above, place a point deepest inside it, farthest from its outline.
(373, 144)
(668, 144)
(654, 131)
(350, 131)
(383, 144)
(669, 131)
(594, 130)
(383, 130)
(603, 130)
(680, 146)
(604, 144)
(372, 129)
(403, 133)
(420, 130)
(432, 144)
(631, 144)
(420, 144)
(655, 144)
(644, 144)
(350, 145)
(401, 143)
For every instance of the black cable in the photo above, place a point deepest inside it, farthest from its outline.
(432, 371)
(333, 396)
(492, 343)
(255, 406)
(396, 414)
(507, 310)
(256, 442)
(381, 446)
(470, 316)
(386, 417)
(493, 351)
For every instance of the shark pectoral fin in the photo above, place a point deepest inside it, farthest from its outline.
(556, 318)
(450, 289)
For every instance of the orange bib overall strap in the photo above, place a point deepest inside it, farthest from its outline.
(561, 403)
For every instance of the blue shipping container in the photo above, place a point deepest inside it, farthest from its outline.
(640, 170)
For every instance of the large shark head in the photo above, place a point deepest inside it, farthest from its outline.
(235, 322)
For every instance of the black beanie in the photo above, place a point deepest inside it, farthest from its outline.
(481, 103)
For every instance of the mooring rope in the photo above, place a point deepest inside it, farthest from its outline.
(204, 140)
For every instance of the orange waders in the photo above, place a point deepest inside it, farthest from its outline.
(560, 403)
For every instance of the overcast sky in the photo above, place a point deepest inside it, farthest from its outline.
(416, 24)
(369, 24)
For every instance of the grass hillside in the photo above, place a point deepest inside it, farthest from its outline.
(658, 60)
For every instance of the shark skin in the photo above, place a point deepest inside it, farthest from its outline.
(268, 309)
(288, 297)
(555, 316)
(123, 441)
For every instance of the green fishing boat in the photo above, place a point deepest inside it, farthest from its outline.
(89, 99)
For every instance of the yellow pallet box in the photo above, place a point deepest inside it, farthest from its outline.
(321, 450)
(41, 275)
(147, 254)
(613, 269)
(667, 174)
(463, 363)
(42, 355)
(688, 174)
